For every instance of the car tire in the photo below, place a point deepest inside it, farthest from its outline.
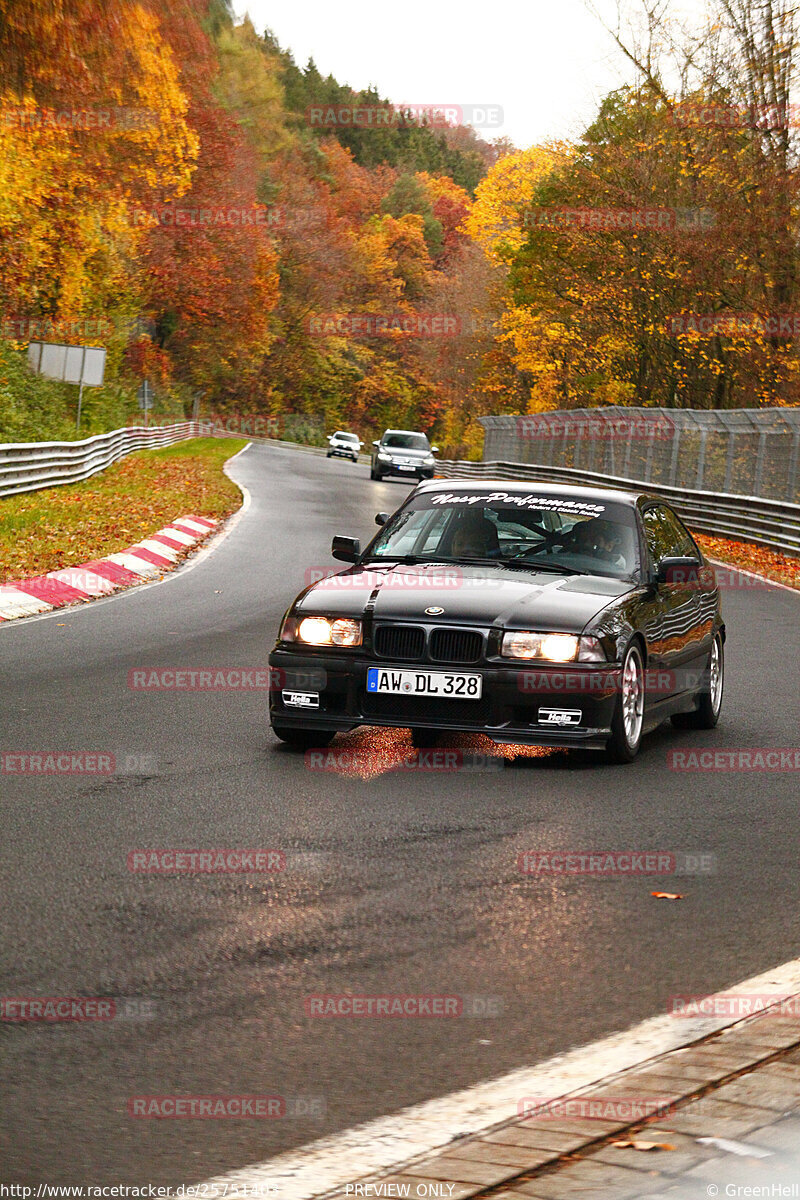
(628, 719)
(303, 739)
(424, 739)
(373, 474)
(709, 700)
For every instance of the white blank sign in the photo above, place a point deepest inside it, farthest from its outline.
(72, 364)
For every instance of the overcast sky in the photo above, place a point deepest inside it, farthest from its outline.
(545, 63)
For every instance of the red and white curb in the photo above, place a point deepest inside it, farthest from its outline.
(72, 585)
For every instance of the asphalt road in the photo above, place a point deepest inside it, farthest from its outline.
(397, 883)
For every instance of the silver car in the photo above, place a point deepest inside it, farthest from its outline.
(403, 452)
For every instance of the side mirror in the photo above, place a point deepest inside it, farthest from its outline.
(346, 548)
(381, 518)
(678, 570)
(376, 443)
(434, 449)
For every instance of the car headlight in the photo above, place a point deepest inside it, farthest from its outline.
(386, 457)
(329, 631)
(552, 647)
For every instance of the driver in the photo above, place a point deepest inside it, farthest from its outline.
(582, 538)
(608, 542)
(475, 537)
(597, 538)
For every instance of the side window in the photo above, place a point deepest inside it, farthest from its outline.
(682, 537)
(666, 535)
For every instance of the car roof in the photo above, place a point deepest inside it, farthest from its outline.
(518, 486)
(416, 432)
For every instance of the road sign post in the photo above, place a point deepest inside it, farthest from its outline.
(145, 398)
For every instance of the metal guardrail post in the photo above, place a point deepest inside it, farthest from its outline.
(762, 446)
(729, 461)
(701, 460)
(676, 449)
(791, 493)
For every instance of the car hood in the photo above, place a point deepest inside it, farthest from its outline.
(398, 452)
(490, 595)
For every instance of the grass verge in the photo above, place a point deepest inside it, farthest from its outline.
(66, 526)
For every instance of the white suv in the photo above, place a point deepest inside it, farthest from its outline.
(343, 445)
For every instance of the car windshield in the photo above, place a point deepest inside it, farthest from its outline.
(346, 437)
(405, 441)
(514, 528)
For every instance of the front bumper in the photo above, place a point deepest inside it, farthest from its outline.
(405, 472)
(508, 710)
(340, 452)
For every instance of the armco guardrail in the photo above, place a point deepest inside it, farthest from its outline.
(771, 523)
(27, 466)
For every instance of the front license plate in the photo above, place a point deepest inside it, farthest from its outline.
(447, 684)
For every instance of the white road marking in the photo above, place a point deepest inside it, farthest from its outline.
(386, 1144)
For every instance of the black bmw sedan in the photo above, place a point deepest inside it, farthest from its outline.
(532, 613)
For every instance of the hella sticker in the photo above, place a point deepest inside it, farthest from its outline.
(560, 716)
(301, 699)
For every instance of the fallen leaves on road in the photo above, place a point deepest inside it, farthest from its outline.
(778, 567)
(667, 895)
